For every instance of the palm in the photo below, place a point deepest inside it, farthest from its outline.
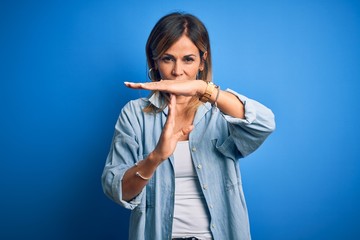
(169, 138)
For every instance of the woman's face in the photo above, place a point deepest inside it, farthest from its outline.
(181, 61)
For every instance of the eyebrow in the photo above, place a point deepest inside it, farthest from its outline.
(188, 55)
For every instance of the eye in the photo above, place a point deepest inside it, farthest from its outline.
(166, 59)
(189, 59)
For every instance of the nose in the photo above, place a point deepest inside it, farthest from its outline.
(178, 69)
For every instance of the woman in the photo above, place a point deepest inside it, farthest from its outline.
(174, 156)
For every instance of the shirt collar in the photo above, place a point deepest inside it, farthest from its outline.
(158, 102)
(201, 111)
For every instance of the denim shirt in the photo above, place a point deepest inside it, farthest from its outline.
(216, 144)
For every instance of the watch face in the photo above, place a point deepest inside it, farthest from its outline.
(208, 92)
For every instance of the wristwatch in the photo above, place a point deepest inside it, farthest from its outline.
(208, 92)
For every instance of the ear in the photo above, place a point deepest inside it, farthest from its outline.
(204, 56)
(202, 63)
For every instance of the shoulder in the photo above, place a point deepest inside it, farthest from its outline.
(136, 105)
(132, 114)
(133, 110)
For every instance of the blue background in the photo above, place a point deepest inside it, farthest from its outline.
(63, 64)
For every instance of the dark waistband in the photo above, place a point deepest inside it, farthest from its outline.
(187, 238)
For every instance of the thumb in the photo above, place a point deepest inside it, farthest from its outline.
(184, 131)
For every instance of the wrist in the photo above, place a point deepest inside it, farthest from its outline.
(153, 160)
(215, 96)
(146, 168)
(202, 85)
(208, 94)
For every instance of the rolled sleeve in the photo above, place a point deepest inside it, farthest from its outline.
(251, 132)
(111, 182)
(123, 154)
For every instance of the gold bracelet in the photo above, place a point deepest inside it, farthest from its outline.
(208, 92)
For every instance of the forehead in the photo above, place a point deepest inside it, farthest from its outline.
(183, 46)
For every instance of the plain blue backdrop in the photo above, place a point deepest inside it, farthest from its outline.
(63, 64)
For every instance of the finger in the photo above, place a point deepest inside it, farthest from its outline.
(172, 106)
(184, 131)
(152, 86)
(188, 129)
(170, 121)
(173, 100)
(134, 85)
(156, 86)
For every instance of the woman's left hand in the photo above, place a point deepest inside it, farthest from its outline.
(176, 87)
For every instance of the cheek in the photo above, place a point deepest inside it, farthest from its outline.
(189, 70)
(192, 70)
(165, 71)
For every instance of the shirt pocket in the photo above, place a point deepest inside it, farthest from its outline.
(227, 151)
(232, 185)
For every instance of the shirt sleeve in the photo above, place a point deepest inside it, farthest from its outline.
(123, 154)
(249, 133)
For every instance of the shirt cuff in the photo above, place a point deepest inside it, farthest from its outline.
(250, 111)
(117, 190)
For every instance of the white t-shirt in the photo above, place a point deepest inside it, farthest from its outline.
(191, 218)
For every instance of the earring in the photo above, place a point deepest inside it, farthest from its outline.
(151, 74)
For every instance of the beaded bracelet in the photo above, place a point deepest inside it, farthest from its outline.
(217, 96)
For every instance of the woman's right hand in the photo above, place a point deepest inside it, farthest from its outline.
(133, 184)
(169, 138)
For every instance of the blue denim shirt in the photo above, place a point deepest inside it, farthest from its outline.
(216, 143)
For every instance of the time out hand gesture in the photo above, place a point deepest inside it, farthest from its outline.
(131, 183)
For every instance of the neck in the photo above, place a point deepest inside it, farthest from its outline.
(182, 103)
(183, 100)
(183, 107)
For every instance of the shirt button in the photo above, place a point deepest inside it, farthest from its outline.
(199, 166)
(205, 187)
(213, 225)
(193, 149)
(211, 206)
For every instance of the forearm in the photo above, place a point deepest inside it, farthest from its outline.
(132, 184)
(227, 102)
